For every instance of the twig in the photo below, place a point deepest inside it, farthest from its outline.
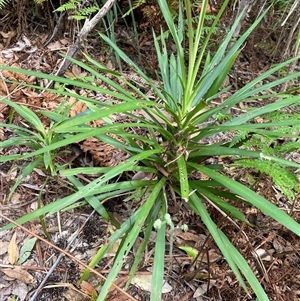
(87, 27)
(40, 287)
(55, 29)
(67, 254)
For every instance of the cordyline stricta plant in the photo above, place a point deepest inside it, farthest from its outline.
(173, 142)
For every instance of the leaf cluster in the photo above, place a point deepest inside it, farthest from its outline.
(283, 177)
(80, 12)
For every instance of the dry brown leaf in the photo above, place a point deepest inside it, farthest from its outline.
(88, 288)
(213, 256)
(209, 9)
(13, 251)
(4, 34)
(8, 36)
(20, 291)
(97, 123)
(16, 197)
(144, 281)
(54, 45)
(65, 42)
(76, 70)
(3, 247)
(4, 91)
(109, 65)
(188, 236)
(2, 137)
(30, 93)
(75, 295)
(18, 273)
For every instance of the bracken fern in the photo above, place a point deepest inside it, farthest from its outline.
(80, 12)
(284, 178)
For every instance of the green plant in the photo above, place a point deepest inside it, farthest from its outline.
(173, 145)
(284, 178)
(35, 137)
(81, 12)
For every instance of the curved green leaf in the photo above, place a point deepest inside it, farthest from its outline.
(250, 196)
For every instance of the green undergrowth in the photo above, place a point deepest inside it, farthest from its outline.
(284, 178)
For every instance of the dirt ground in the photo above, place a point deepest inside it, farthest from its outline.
(271, 250)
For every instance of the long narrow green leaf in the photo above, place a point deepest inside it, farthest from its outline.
(112, 83)
(176, 33)
(27, 114)
(245, 268)
(219, 62)
(68, 81)
(100, 170)
(214, 88)
(252, 197)
(16, 127)
(183, 178)
(69, 139)
(131, 238)
(86, 190)
(92, 186)
(225, 151)
(233, 257)
(199, 208)
(25, 172)
(159, 264)
(203, 49)
(147, 233)
(132, 64)
(194, 37)
(93, 201)
(252, 88)
(251, 128)
(13, 141)
(224, 206)
(272, 107)
(102, 112)
(125, 227)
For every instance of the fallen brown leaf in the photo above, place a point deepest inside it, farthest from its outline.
(19, 274)
(13, 251)
(88, 288)
(3, 247)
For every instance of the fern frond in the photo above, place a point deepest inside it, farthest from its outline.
(283, 178)
(238, 137)
(67, 6)
(79, 12)
(290, 146)
(86, 11)
(263, 143)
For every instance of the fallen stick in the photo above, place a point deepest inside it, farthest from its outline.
(87, 27)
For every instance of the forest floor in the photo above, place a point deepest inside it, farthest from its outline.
(272, 251)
